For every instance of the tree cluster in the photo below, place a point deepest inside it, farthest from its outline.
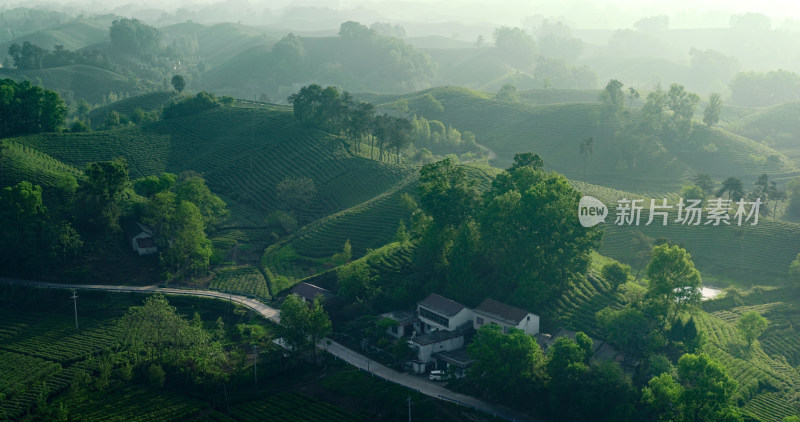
(519, 241)
(339, 113)
(26, 108)
(29, 56)
(201, 102)
(154, 336)
(133, 37)
(181, 210)
(302, 324)
(564, 384)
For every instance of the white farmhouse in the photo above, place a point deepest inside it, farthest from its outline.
(439, 313)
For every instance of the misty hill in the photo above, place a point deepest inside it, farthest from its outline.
(555, 131)
(72, 35)
(216, 44)
(77, 81)
(777, 126)
(358, 59)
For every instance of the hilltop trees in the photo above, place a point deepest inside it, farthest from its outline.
(517, 235)
(131, 36)
(517, 46)
(339, 113)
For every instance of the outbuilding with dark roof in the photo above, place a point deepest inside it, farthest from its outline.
(493, 312)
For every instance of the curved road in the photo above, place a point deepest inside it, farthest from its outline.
(418, 383)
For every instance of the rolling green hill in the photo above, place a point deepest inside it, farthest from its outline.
(77, 81)
(555, 131)
(242, 152)
(147, 102)
(72, 35)
(777, 126)
(751, 255)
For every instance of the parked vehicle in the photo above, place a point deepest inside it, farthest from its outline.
(439, 375)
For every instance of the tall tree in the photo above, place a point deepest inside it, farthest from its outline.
(751, 325)
(713, 109)
(178, 82)
(586, 149)
(101, 194)
(612, 97)
(733, 187)
(535, 245)
(674, 282)
(446, 193)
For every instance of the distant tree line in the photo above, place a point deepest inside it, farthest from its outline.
(192, 105)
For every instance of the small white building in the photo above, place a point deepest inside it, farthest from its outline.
(142, 237)
(405, 324)
(426, 345)
(493, 312)
(438, 313)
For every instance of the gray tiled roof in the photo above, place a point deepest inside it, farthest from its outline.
(501, 311)
(442, 305)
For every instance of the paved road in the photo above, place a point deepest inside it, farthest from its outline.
(418, 383)
(267, 311)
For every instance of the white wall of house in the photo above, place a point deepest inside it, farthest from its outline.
(425, 352)
(529, 324)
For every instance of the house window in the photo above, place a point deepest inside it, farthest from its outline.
(479, 320)
(394, 329)
(445, 322)
(505, 330)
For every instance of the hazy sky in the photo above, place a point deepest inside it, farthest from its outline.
(584, 14)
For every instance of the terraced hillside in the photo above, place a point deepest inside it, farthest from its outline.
(757, 254)
(555, 131)
(777, 126)
(369, 225)
(146, 102)
(242, 152)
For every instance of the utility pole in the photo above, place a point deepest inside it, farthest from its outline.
(409, 408)
(255, 364)
(75, 303)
